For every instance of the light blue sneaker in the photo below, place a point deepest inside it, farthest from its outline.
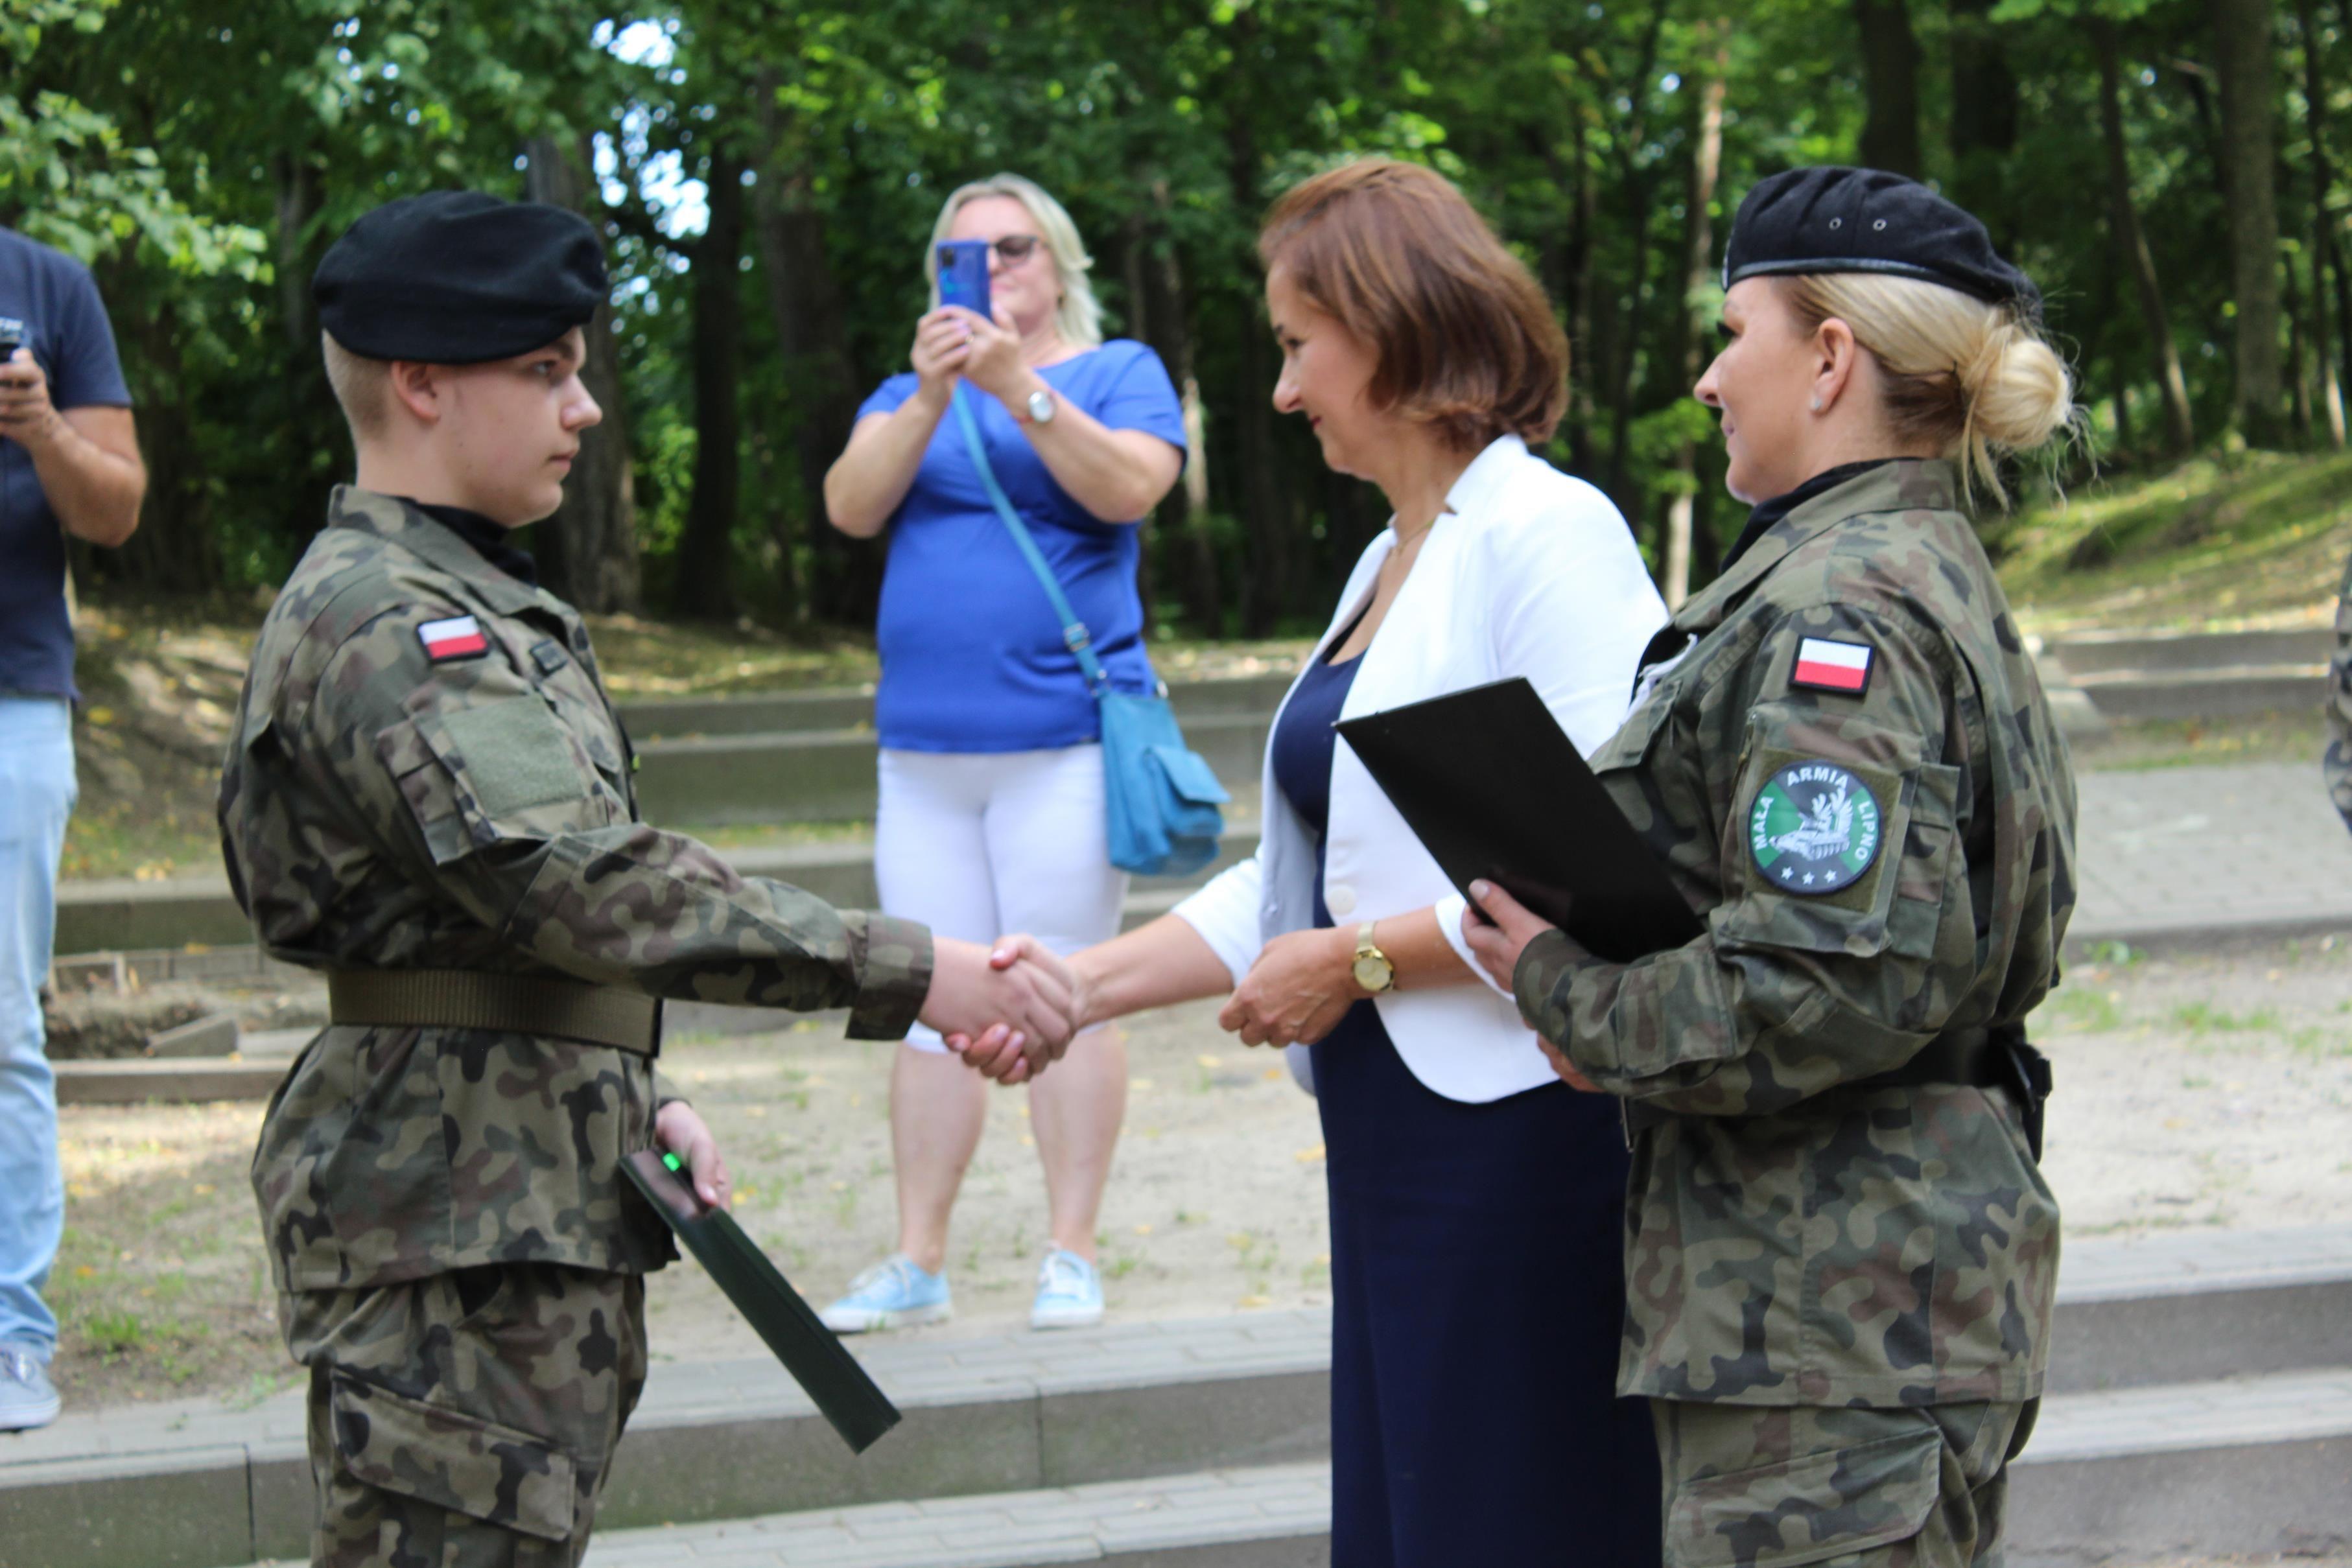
(892, 1294)
(1069, 1292)
(27, 1397)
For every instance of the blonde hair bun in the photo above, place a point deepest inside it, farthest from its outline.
(2018, 393)
(1976, 378)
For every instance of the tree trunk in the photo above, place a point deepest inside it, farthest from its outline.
(822, 383)
(1163, 320)
(704, 552)
(1890, 74)
(2243, 43)
(1639, 191)
(1983, 128)
(174, 550)
(1584, 364)
(298, 203)
(2322, 234)
(587, 551)
(1698, 250)
(2172, 387)
(1266, 514)
(2298, 384)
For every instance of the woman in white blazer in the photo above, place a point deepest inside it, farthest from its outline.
(1477, 1201)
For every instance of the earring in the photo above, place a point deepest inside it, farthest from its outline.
(1817, 406)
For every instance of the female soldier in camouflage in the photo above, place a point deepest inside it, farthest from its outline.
(1841, 1252)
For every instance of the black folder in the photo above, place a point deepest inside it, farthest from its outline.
(830, 1375)
(1494, 789)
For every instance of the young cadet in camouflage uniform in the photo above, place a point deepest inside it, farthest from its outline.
(1841, 1252)
(2338, 763)
(428, 795)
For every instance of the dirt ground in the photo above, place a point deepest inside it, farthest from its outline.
(2211, 1091)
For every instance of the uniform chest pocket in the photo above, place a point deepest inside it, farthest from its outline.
(1843, 840)
(1644, 767)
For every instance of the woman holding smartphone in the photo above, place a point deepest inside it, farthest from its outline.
(1476, 1203)
(991, 807)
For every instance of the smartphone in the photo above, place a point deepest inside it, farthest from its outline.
(963, 275)
(12, 336)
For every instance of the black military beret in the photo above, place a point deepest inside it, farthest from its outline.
(1866, 220)
(457, 278)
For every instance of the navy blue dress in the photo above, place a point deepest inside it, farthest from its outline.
(1477, 1290)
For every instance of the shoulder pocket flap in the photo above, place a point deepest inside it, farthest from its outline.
(1189, 775)
(1821, 837)
(452, 1460)
(1809, 1509)
(1633, 738)
(511, 754)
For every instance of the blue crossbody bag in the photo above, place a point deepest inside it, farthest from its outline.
(1164, 796)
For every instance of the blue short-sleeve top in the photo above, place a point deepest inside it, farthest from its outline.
(972, 655)
(54, 304)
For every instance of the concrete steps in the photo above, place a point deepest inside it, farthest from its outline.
(808, 757)
(2201, 1400)
(842, 874)
(156, 922)
(851, 707)
(2199, 676)
(2237, 1462)
(1271, 1516)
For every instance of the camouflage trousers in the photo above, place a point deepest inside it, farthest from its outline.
(1775, 1487)
(466, 1420)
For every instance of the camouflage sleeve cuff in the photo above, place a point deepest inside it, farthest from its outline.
(664, 1092)
(892, 960)
(1539, 983)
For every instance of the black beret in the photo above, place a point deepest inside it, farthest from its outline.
(457, 278)
(1866, 220)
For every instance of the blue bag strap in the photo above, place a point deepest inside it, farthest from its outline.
(1074, 630)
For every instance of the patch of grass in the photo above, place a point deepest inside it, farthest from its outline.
(2216, 543)
(2093, 1012)
(774, 835)
(2143, 746)
(2318, 1043)
(2204, 1017)
(161, 1282)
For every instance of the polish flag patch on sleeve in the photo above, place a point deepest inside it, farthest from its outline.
(1825, 665)
(459, 637)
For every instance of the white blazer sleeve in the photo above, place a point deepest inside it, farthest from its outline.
(1572, 609)
(1225, 914)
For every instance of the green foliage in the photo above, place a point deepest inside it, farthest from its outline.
(70, 179)
(201, 154)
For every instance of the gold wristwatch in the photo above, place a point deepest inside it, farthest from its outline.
(1373, 970)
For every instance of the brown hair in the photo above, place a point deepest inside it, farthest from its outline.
(1976, 379)
(1464, 339)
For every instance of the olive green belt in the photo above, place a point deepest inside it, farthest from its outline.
(511, 1004)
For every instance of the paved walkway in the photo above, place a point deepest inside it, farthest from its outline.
(2180, 850)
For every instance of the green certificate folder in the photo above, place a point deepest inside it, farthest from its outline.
(858, 1408)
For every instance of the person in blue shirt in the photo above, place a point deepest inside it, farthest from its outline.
(991, 810)
(69, 465)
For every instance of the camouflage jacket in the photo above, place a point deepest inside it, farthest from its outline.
(2338, 764)
(1853, 776)
(388, 807)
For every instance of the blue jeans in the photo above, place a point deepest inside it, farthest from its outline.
(37, 794)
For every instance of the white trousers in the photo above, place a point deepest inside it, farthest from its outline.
(981, 845)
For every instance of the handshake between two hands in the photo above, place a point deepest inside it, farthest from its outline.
(1010, 1010)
